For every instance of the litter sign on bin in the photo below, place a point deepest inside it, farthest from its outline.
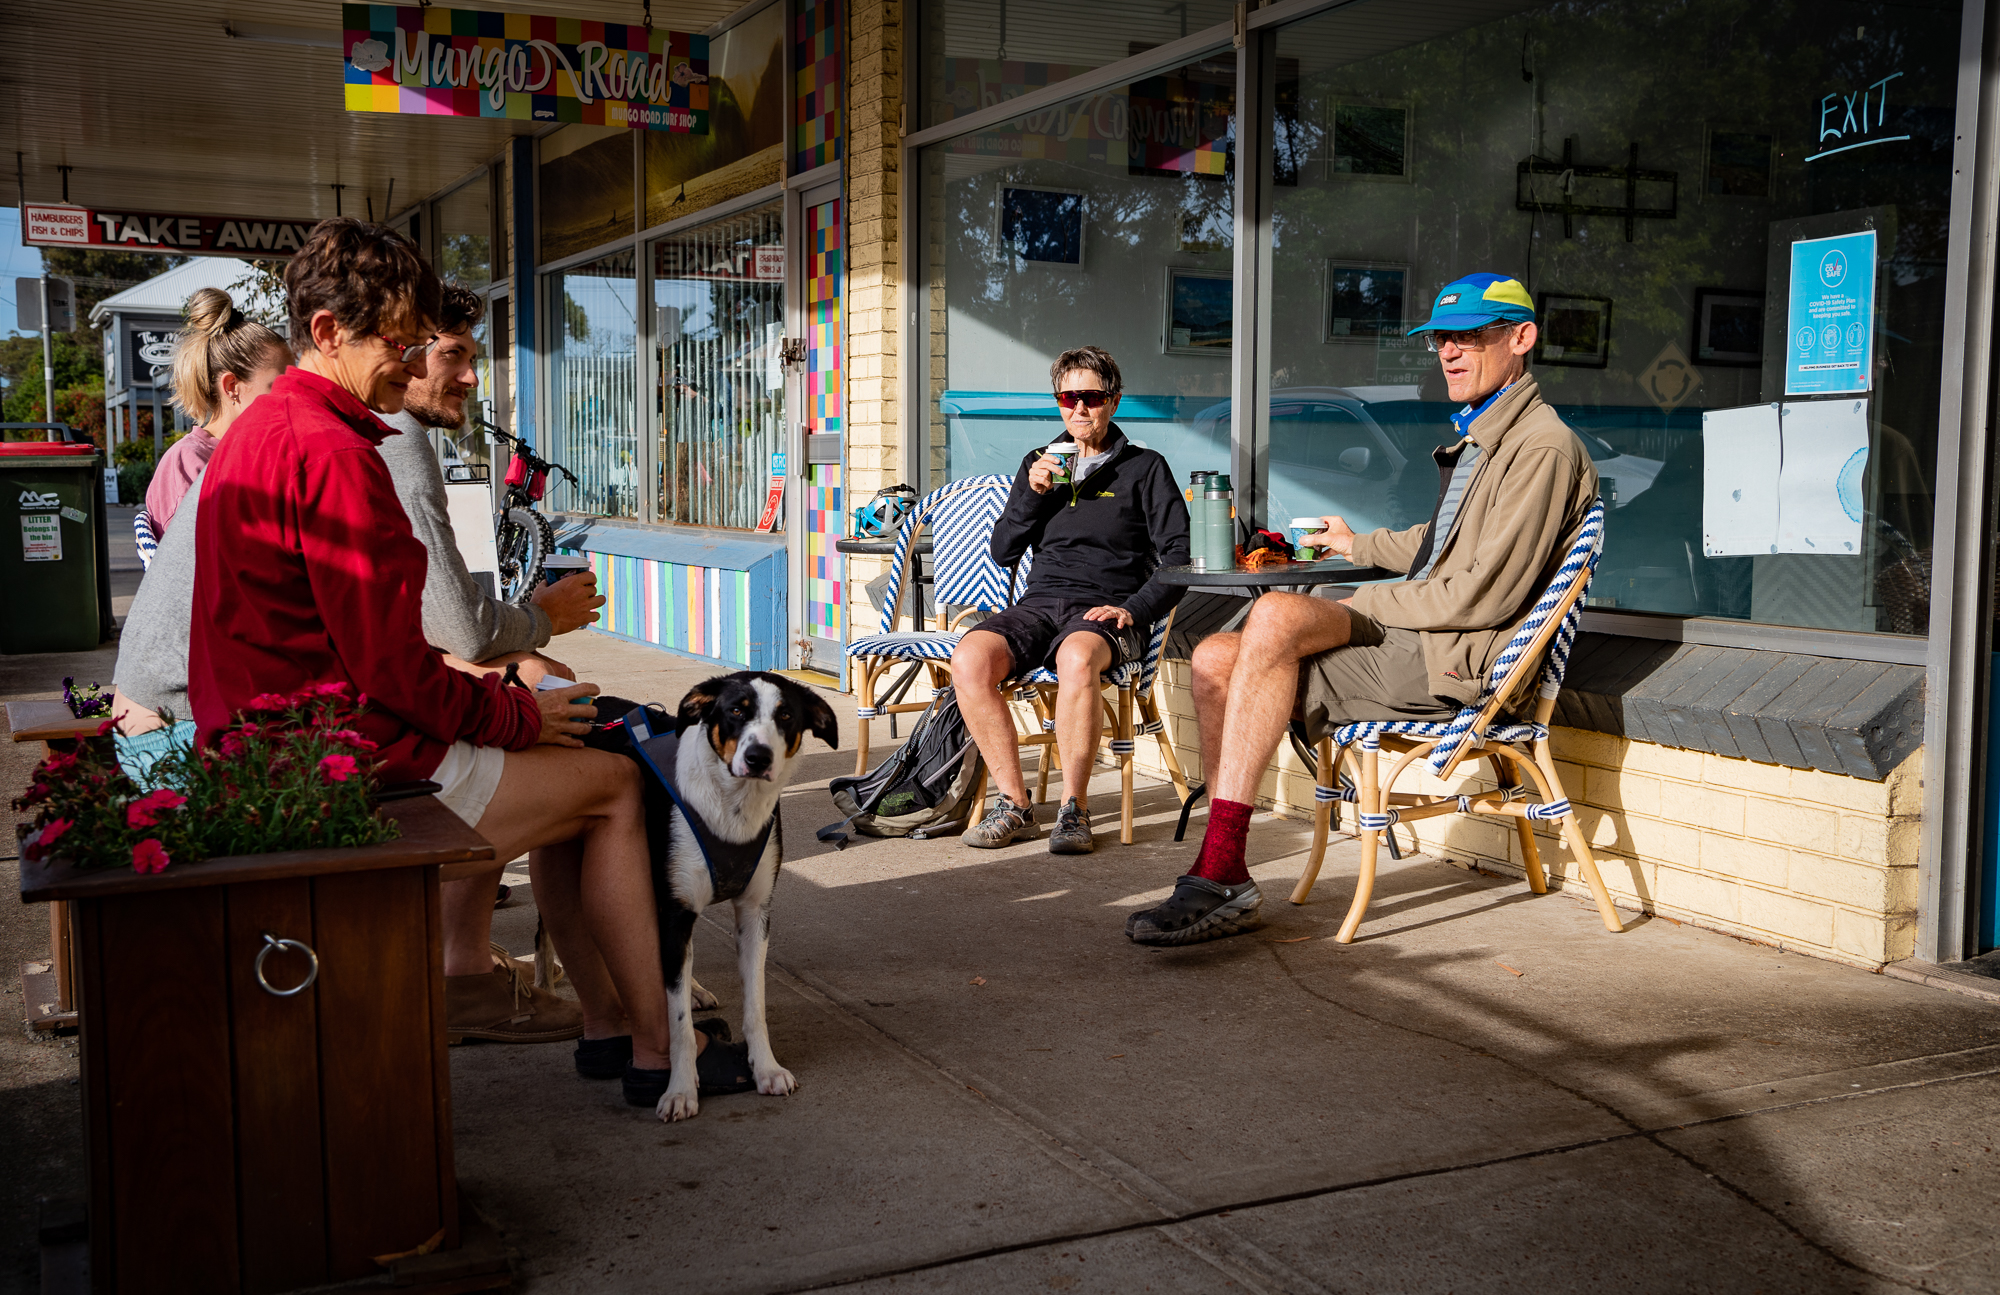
(41, 537)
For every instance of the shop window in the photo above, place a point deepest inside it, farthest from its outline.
(585, 179)
(1105, 221)
(718, 294)
(465, 233)
(593, 390)
(977, 53)
(1738, 254)
(744, 148)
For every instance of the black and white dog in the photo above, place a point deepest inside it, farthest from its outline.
(726, 761)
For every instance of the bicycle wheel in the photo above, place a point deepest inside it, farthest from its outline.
(524, 541)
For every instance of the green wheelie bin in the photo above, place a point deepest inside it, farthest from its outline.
(55, 589)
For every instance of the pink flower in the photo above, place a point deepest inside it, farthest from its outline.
(338, 768)
(333, 689)
(232, 745)
(60, 761)
(51, 831)
(348, 737)
(145, 811)
(150, 856)
(108, 727)
(268, 701)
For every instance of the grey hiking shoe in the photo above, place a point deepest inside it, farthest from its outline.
(1004, 824)
(1199, 909)
(1072, 830)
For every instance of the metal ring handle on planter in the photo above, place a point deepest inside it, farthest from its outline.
(272, 944)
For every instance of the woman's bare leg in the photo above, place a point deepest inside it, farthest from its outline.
(558, 876)
(549, 795)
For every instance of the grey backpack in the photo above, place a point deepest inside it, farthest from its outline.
(923, 789)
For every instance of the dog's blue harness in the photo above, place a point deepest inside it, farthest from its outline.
(731, 864)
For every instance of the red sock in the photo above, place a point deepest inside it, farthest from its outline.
(1221, 857)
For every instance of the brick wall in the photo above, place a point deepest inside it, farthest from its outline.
(874, 287)
(1816, 862)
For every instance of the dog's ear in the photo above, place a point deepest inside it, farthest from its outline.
(694, 706)
(819, 715)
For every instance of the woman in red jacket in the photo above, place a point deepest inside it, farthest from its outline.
(307, 572)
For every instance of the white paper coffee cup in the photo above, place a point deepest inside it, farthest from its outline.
(1064, 455)
(557, 566)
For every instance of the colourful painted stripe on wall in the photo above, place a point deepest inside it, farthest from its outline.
(707, 612)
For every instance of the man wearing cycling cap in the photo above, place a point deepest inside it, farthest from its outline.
(1512, 495)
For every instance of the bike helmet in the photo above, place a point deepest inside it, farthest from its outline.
(880, 516)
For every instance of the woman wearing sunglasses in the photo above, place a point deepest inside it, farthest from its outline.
(1099, 527)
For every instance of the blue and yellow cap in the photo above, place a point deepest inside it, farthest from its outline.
(1476, 301)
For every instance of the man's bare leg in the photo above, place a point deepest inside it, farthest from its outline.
(979, 665)
(534, 666)
(1081, 661)
(1263, 687)
(467, 906)
(1246, 686)
(557, 872)
(550, 795)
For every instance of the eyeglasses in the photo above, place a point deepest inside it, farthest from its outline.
(1088, 399)
(1469, 340)
(408, 354)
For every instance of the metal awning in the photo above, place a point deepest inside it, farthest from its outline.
(158, 106)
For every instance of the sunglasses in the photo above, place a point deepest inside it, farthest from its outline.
(408, 354)
(1088, 399)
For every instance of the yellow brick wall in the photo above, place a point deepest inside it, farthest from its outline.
(874, 270)
(1816, 862)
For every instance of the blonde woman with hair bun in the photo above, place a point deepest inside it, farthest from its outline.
(223, 360)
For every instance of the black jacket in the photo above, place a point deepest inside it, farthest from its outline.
(1098, 540)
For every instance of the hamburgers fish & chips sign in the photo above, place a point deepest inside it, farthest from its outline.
(472, 63)
(65, 225)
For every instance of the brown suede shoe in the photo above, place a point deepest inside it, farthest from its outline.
(506, 1008)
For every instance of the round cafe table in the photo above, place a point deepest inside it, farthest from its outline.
(1295, 577)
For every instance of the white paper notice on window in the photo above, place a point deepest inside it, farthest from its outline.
(1820, 498)
(1741, 459)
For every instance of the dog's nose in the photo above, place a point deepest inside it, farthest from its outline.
(757, 760)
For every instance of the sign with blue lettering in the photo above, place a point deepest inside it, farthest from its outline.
(1830, 328)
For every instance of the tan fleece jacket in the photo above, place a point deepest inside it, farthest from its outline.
(1522, 510)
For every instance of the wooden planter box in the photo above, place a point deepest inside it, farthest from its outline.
(240, 1141)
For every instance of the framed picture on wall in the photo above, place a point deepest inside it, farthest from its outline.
(1575, 331)
(1728, 328)
(1040, 226)
(1738, 162)
(1371, 141)
(1201, 312)
(1364, 301)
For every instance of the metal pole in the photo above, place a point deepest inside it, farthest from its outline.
(48, 360)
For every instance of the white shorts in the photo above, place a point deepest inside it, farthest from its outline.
(469, 775)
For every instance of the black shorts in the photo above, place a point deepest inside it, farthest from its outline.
(1036, 626)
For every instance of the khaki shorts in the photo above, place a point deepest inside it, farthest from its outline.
(1379, 675)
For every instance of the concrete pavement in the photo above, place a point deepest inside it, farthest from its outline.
(1000, 1093)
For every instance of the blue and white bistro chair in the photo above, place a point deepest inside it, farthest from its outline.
(1133, 683)
(144, 539)
(961, 516)
(1480, 730)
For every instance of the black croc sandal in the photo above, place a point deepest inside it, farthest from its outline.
(720, 1068)
(608, 1058)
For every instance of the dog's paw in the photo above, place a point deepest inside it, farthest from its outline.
(775, 1081)
(702, 999)
(678, 1106)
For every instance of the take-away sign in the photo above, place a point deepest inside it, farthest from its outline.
(472, 63)
(63, 225)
